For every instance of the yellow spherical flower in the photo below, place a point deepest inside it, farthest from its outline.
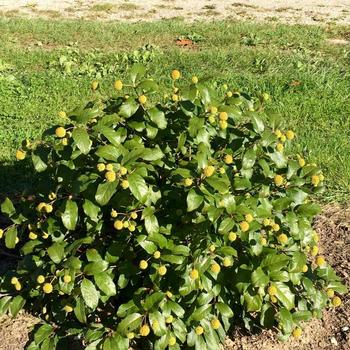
(232, 236)
(110, 176)
(48, 208)
(229, 93)
(162, 270)
(223, 124)
(194, 80)
(1, 233)
(123, 171)
(290, 135)
(305, 268)
(144, 330)
(278, 133)
(41, 206)
(169, 294)
(194, 274)
(223, 116)
(130, 335)
(188, 182)
(272, 290)
(40, 279)
(301, 162)
(143, 264)
(32, 235)
(118, 225)
(14, 280)
(215, 323)
(62, 114)
(212, 119)
(215, 268)
(228, 159)
(273, 299)
(199, 330)
(169, 319)
(156, 254)
(315, 180)
(266, 222)
(321, 177)
(142, 99)
(64, 141)
(118, 85)
(133, 215)
(209, 171)
(320, 261)
(18, 286)
(175, 74)
(283, 138)
(244, 225)
(213, 109)
(114, 213)
(249, 218)
(212, 248)
(125, 184)
(47, 288)
(275, 227)
(222, 171)
(279, 147)
(67, 278)
(278, 179)
(336, 301)
(283, 238)
(263, 241)
(109, 167)
(126, 224)
(20, 155)
(132, 228)
(52, 196)
(60, 132)
(330, 293)
(227, 262)
(68, 309)
(172, 341)
(297, 332)
(175, 97)
(94, 85)
(314, 250)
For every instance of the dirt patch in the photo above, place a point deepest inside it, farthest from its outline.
(332, 332)
(288, 11)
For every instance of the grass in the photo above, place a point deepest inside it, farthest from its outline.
(308, 78)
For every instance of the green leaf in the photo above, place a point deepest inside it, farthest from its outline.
(4, 304)
(130, 323)
(297, 262)
(229, 203)
(194, 200)
(279, 159)
(138, 187)
(241, 183)
(7, 207)
(309, 209)
(82, 140)
(137, 71)
(284, 295)
(226, 225)
(151, 222)
(224, 309)
(128, 108)
(286, 320)
(158, 117)
(16, 305)
(218, 184)
(96, 267)
(70, 215)
(38, 163)
(259, 278)
(274, 262)
(56, 252)
(10, 237)
(258, 124)
(105, 283)
(91, 210)
(43, 333)
(253, 300)
(89, 293)
(105, 192)
(153, 300)
(109, 152)
(249, 158)
(79, 310)
(201, 312)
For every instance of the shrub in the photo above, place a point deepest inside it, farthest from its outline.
(164, 221)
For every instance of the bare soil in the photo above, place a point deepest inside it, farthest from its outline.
(287, 11)
(332, 332)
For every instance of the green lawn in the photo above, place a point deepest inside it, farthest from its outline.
(308, 78)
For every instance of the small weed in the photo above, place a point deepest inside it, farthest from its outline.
(104, 7)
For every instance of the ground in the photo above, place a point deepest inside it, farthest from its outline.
(297, 11)
(48, 66)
